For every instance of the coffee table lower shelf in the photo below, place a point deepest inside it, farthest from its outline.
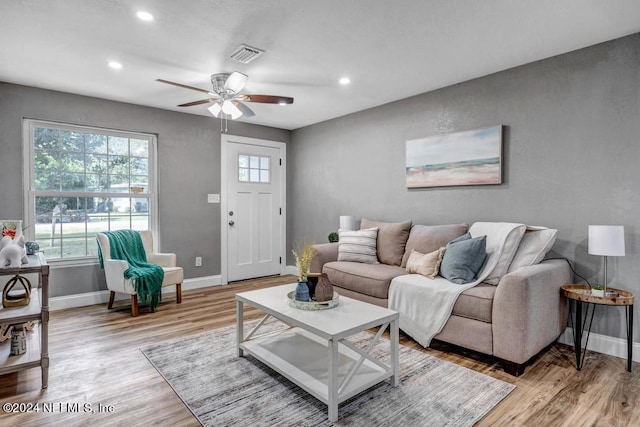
(312, 349)
(303, 358)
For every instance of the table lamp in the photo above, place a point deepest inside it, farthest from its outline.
(347, 223)
(606, 240)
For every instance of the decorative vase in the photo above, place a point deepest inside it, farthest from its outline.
(324, 289)
(31, 247)
(312, 281)
(18, 340)
(302, 291)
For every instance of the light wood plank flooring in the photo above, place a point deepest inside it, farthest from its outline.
(95, 358)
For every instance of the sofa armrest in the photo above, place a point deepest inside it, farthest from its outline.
(529, 312)
(323, 253)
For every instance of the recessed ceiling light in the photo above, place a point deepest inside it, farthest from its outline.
(345, 81)
(115, 65)
(144, 16)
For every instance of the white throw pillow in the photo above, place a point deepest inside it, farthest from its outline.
(535, 244)
(503, 237)
(358, 245)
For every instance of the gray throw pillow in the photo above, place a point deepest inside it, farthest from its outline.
(463, 259)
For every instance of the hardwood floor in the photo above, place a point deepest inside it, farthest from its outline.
(95, 359)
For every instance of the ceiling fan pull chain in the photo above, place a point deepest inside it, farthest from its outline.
(223, 124)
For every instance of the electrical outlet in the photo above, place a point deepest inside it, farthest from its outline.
(198, 261)
(213, 198)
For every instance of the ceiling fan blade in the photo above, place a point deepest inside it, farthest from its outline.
(183, 86)
(268, 99)
(246, 111)
(202, 101)
(236, 82)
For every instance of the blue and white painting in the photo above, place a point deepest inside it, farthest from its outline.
(463, 158)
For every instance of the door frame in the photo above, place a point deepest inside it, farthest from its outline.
(226, 139)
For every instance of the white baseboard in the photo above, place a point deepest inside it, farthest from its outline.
(603, 344)
(291, 269)
(102, 297)
(200, 282)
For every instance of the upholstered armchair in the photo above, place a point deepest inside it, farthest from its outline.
(114, 270)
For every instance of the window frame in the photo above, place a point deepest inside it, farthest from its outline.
(259, 169)
(30, 194)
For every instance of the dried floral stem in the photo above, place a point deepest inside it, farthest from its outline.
(303, 256)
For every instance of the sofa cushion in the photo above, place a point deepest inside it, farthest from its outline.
(476, 303)
(535, 244)
(429, 238)
(509, 246)
(358, 246)
(368, 279)
(392, 238)
(426, 264)
(463, 259)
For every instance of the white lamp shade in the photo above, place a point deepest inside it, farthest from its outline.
(236, 114)
(215, 109)
(229, 108)
(347, 223)
(606, 240)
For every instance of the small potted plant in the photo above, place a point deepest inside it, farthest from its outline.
(303, 257)
(597, 291)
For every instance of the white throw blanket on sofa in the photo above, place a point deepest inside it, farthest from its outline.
(426, 304)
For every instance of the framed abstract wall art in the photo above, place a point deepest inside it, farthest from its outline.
(472, 157)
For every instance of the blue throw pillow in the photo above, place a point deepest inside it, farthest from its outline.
(463, 259)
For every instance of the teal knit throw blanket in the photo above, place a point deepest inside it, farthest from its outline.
(146, 277)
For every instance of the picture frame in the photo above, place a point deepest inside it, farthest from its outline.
(472, 157)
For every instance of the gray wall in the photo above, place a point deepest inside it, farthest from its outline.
(571, 152)
(188, 169)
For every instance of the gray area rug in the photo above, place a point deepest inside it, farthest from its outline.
(221, 389)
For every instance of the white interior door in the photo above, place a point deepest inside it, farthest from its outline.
(253, 208)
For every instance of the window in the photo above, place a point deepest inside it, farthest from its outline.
(83, 181)
(254, 169)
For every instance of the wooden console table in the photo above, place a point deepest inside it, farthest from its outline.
(580, 295)
(38, 310)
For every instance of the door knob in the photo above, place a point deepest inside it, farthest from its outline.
(231, 223)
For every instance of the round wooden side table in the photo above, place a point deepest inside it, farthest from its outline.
(582, 296)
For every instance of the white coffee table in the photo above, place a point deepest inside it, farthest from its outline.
(312, 352)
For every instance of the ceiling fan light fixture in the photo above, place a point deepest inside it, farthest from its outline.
(215, 109)
(236, 115)
(231, 110)
(235, 82)
(226, 97)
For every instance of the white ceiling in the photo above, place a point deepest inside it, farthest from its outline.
(389, 49)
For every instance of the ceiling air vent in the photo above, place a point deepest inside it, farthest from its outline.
(245, 54)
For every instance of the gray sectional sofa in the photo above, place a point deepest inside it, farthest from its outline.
(512, 321)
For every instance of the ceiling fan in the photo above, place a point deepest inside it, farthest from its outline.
(226, 96)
